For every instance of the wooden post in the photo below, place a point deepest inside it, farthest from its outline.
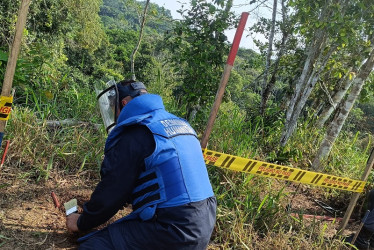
(13, 55)
(225, 78)
(355, 196)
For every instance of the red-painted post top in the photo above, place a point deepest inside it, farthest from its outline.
(237, 38)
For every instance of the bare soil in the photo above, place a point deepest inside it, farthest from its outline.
(29, 219)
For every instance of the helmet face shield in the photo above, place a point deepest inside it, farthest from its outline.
(107, 96)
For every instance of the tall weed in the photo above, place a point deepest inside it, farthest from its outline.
(38, 149)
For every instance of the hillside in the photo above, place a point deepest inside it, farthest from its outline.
(301, 105)
(116, 15)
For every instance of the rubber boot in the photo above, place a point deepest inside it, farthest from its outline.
(363, 239)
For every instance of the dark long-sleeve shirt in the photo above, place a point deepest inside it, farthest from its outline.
(188, 226)
(120, 169)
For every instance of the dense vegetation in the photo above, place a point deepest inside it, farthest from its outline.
(280, 103)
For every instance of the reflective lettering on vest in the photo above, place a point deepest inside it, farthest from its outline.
(176, 126)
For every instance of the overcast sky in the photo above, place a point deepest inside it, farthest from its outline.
(239, 6)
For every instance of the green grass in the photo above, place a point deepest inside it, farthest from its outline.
(38, 149)
(251, 209)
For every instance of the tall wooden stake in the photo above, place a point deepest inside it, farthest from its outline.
(13, 55)
(355, 196)
(225, 78)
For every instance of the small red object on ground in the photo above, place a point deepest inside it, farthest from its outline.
(4, 154)
(55, 200)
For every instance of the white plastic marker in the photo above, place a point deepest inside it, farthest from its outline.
(71, 207)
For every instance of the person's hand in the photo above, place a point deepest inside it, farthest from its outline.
(71, 222)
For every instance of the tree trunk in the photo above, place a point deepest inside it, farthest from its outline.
(133, 77)
(312, 51)
(336, 99)
(268, 55)
(268, 88)
(313, 68)
(339, 119)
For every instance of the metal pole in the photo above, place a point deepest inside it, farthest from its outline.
(225, 78)
(355, 196)
(13, 55)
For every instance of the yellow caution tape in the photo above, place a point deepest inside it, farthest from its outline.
(5, 107)
(271, 170)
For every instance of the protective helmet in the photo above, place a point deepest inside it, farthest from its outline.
(130, 88)
(109, 96)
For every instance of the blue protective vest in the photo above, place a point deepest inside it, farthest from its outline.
(175, 173)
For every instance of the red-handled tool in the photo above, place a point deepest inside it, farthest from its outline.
(4, 154)
(55, 200)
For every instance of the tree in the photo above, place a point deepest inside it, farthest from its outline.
(334, 101)
(142, 23)
(88, 32)
(269, 83)
(314, 64)
(343, 112)
(325, 26)
(198, 46)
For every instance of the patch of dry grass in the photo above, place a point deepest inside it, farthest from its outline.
(37, 149)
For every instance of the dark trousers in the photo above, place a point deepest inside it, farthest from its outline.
(369, 223)
(185, 227)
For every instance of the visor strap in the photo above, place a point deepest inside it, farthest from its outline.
(104, 91)
(110, 126)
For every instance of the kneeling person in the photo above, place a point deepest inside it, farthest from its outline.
(153, 160)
